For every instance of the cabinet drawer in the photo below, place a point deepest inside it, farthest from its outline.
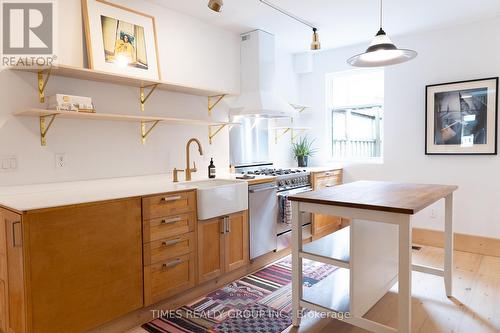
(169, 248)
(166, 227)
(327, 182)
(169, 278)
(332, 173)
(168, 204)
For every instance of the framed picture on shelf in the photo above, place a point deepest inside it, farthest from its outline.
(461, 118)
(120, 40)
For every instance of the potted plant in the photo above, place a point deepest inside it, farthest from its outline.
(302, 150)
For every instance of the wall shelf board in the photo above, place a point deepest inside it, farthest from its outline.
(100, 76)
(115, 117)
(142, 120)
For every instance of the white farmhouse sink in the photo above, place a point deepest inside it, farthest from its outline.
(219, 197)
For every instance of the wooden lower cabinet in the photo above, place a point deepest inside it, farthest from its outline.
(12, 273)
(72, 268)
(236, 242)
(169, 244)
(165, 279)
(323, 225)
(211, 249)
(222, 245)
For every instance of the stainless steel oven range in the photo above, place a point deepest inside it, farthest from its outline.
(270, 209)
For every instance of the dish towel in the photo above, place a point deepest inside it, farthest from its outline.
(285, 206)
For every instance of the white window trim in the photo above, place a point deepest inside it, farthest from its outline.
(328, 112)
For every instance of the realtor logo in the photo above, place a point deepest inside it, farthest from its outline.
(27, 33)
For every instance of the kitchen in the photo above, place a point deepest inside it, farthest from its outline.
(242, 81)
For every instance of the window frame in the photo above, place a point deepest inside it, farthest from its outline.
(330, 109)
(349, 111)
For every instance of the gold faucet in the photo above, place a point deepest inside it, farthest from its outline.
(190, 170)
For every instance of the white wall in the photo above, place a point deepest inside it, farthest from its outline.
(287, 88)
(191, 53)
(461, 53)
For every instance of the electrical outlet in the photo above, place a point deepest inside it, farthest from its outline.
(60, 161)
(433, 214)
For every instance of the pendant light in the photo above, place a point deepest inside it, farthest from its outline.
(381, 51)
(315, 45)
(216, 5)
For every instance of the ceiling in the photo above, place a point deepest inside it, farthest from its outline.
(340, 22)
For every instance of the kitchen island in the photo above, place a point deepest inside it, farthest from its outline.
(372, 255)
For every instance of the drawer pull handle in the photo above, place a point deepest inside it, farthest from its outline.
(172, 264)
(170, 199)
(328, 173)
(329, 185)
(172, 220)
(171, 242)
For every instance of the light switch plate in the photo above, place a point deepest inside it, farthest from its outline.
(8, 163)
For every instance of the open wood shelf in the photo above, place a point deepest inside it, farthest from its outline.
(100, 76)
(331, 293)
(147, 123)
(333, 249)
(115, 117)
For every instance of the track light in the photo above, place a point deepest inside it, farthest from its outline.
(315, 45)
(381, 52)
(216, 5)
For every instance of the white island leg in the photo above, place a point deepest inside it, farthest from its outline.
(404, 274)
(448, 245)
(296, 264)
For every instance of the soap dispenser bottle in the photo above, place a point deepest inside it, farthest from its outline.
(211, 169)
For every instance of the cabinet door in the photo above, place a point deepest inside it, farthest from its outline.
(14, 309)
(236, 241)
(85, 264)
(210, 249)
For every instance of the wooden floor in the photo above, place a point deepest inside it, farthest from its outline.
(474, 309)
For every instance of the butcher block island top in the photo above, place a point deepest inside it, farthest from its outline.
(380, 196)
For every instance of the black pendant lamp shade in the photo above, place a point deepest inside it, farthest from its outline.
(381, 52)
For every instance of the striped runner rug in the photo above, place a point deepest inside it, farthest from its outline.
(257, 303)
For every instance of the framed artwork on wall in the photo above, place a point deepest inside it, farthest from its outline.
(461, 118)
(120, 40)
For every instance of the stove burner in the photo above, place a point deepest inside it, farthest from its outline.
(275, 172)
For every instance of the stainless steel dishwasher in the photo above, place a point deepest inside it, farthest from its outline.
(263, 214)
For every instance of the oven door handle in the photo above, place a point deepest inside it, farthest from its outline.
(269, 188)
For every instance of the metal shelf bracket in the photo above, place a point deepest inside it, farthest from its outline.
(42, 83)
(280, 132)
(299, 108)
(212, 134)
(278, 135)
(145, 131)
(212, 105)
(144, 97)
(44, 127)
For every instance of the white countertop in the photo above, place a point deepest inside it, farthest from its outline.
(39, 196)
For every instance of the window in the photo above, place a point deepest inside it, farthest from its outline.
(355, 101)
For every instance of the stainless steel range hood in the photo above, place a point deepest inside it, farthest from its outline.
(258, 97)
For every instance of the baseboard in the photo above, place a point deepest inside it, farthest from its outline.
(466, 243)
